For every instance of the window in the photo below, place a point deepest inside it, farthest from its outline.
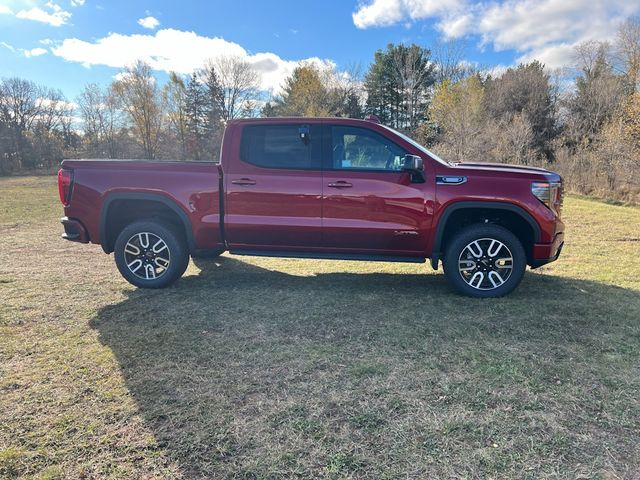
(359, 148)
(281, 146)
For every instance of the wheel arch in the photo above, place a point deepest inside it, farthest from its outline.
(526, 228)
(135, 205)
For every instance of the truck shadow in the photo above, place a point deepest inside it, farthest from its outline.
(215, 361)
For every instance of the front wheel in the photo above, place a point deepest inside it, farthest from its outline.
(151, 254)
(485, 261)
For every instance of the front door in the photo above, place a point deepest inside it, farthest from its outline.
(274, 188)
(370, 204)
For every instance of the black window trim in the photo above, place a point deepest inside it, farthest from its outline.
(328, 159)
(318, 168)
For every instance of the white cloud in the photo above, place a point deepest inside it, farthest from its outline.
(55, 17)
(77, 3)
(174, 50)
(455, 27)
(546, 30)
(149, 22)
(380, 13)
(7, 46)
(34, 52)
(5, 10)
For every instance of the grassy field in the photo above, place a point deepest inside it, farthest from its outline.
(271, 368)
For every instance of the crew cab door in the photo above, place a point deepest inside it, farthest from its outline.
(274, 188)
(370, 204)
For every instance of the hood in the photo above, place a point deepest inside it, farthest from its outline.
(504, 167)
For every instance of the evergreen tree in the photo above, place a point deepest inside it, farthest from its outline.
(213, 110)
(398, 84)
(196, 117)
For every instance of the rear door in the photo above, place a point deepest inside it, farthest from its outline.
(370, 205)
(274, 188)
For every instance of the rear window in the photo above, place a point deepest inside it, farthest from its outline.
(291, 146)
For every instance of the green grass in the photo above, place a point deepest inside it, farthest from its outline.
(272, 368)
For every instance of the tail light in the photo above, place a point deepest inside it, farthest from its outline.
(65, 185)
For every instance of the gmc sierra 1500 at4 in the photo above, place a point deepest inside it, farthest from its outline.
(317, 188)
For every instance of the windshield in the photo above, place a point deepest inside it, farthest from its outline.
(418, 146)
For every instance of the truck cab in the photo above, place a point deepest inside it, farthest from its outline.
(319, 188)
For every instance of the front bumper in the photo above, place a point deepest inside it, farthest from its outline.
(544, 253)
(74, 231)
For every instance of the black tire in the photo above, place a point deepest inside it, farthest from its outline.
(150, 273)
(481, 275)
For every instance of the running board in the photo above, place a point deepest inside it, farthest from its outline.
(328, 256)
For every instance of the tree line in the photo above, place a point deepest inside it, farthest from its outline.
(587, 128)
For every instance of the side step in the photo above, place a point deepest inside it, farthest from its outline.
(328, 256)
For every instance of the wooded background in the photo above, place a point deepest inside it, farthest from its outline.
(583, 122)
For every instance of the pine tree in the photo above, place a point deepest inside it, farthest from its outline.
(397, 85)
(196, 117)
(213, 111)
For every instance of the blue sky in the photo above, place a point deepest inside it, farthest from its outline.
(68, 43)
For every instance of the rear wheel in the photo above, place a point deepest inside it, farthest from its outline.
(485, 261)
(151, 254)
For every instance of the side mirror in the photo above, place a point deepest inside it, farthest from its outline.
(412, 163)
(415, 166)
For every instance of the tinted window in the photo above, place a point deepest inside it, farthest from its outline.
(355, 148)
(281, 146)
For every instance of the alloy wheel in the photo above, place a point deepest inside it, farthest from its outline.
(147, 255)
(485, 264)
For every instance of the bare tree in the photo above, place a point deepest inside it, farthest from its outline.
(90, 105)
(176, 95)
(141, 99)
(598, 92)
(101, 120)
(458, 113)
(450, 64)
(19, 102)
(525, 90)
(20, 107)
(54, 110)
(346, 92)
(240, 83)
(589, 55)
(628, 51)
(515, 138)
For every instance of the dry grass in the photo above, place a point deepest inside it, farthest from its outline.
(271, 368)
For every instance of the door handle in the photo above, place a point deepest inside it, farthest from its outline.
(340, 184)
(243, 181)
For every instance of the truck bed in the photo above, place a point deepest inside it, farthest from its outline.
(103, 189)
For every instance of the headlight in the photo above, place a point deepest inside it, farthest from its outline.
(549, 193)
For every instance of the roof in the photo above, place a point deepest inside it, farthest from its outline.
(341, 120)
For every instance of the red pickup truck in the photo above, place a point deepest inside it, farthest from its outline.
(317, 188)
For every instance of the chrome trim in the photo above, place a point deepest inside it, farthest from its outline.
(450, 180)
